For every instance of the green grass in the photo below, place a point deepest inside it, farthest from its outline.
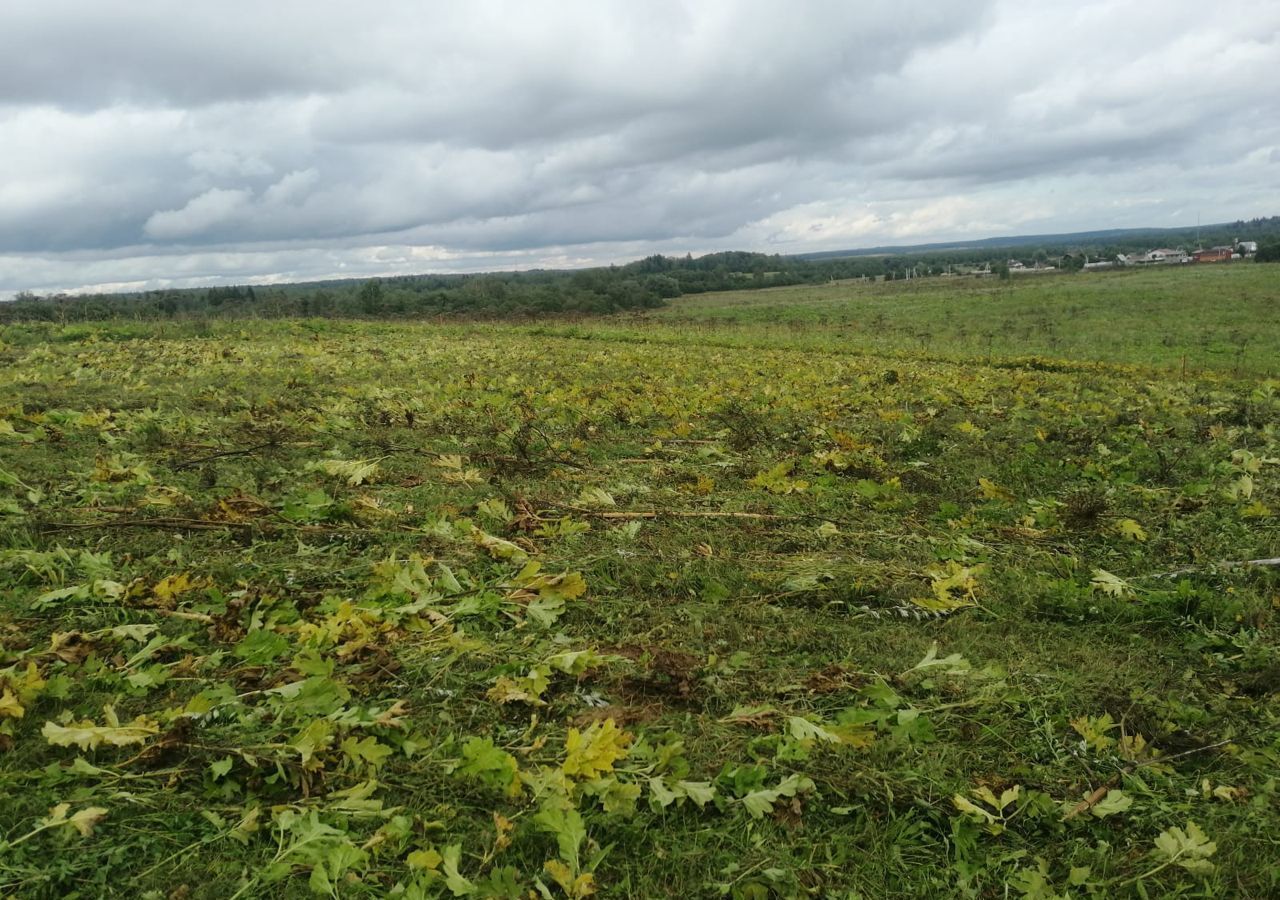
(1219, 318)
(775, 524)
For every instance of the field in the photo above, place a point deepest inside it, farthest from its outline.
(1220, 318)
(762, 595)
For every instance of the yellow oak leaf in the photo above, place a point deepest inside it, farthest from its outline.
(594, 751)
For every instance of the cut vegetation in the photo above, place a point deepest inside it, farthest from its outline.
(644, 609)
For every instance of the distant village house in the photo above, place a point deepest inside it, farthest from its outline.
(1214, 254)
(1165, 256)
(1158, 257)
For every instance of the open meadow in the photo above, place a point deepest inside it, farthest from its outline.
(921, 589)
(1220, 318)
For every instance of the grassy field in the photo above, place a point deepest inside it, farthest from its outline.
(790, 607)
(1218, 318)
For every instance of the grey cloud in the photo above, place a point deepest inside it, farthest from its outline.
(244, 140)
(222, 163)
(85, 54)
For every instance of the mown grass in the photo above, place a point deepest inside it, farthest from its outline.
(259, 539)
(1193, 318)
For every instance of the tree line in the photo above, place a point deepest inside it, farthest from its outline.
(643, 284)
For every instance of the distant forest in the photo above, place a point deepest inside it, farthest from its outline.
(643, 284)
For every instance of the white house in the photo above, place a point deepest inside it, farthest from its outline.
(1157, 257)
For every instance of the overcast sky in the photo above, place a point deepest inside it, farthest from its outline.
(146, 143)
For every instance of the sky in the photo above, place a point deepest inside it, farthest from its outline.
(149, 143)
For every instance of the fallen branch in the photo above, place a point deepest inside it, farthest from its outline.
(1095, 798)
(695, 514)
(224, 454)
(1233, 564)
(1274, 561)
(158, 522)
(655, 514)
(182, 614)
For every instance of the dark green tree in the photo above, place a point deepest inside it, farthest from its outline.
(370, 298)
(1268, 253)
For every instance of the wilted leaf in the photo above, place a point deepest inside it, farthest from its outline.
(660, 795)
(775, 480)
(366, 751)
(1116, 801)
(1255, 510)
(617, 797)
(752, 715)
(760, 802)
(428, 859)
(953, 587)
(1241, 488)
(992, 491)
(490, 765)
(565, 586)
(355, 471)
(87, 736)
(955, 664)
(804, 730)
(594, 751)
(392, 716)
(663, 793)
(495, 508)
(1094, 730)
(9, 705)
(220, 768)
(497, 547)
(700, 792)
(1189, 849)
(453, 879)
(1109, 584)
(575, 662)
(169, 588)
(518, 690)
(314, 739)
(594, 496)
(247, 825)
(1131, 530)
(574, 887)
(968, 807)
(84, 820)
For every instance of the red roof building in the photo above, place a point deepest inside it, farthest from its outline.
(1213, 254)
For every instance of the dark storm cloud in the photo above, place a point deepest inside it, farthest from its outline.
(146, 142)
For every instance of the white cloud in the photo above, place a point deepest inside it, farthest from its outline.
(215, 206)
(293, 187)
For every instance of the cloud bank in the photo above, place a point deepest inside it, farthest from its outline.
(148, 144)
